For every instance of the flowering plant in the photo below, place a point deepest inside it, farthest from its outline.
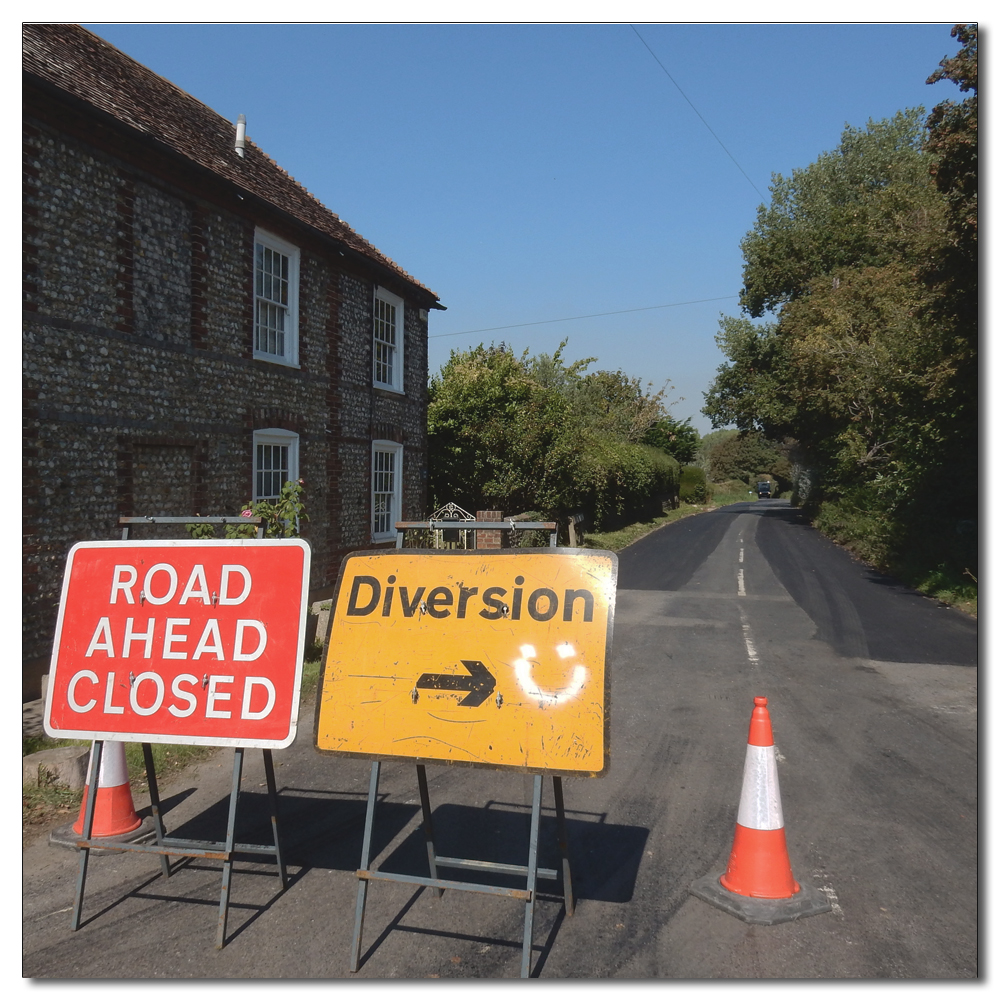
(282, 516)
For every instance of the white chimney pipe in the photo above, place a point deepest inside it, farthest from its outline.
(241, 134)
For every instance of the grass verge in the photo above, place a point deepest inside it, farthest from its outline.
(614, 541)
(722, 494)
(731, 491)
(937, 558)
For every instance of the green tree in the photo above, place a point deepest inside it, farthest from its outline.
(751, 389)
(953, 144)
(494, 431)
(708, 442)
(747, 455)
(516, 433)
(953, 147)
(675, 437)
(868, 259)
(613, 403)
(860, 205)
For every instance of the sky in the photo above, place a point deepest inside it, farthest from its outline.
(548, 181)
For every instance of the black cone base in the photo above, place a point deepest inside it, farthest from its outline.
(807, 902)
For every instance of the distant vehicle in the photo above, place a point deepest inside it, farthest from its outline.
(763, 490)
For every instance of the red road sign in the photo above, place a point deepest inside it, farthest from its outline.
(181, 641)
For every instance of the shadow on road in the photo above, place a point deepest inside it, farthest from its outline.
(604, 857)
(317, 829)
(604, 863)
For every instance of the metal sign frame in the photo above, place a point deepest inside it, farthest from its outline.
(224, 851)
(165, 846)
(510, 525)
(478, 690)
(531, 872)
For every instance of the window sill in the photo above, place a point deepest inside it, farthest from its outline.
(272, 359)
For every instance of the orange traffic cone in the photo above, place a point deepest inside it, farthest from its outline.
(115, 817)
(758, 884)
(114, 813)
(758, 864)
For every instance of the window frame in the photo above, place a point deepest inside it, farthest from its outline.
(396, 384)
(283, 438)
(396, 512)
(290, 355)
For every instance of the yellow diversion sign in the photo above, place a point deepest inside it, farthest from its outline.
(491, 659)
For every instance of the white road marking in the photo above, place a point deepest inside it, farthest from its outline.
(748, 638)
(741, 590)
(741, 555)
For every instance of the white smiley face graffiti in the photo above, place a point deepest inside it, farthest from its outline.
(523, 671)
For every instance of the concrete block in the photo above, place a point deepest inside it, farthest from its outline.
(62, 765)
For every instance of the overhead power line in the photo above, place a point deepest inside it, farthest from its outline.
(696, 111)
(567, 319)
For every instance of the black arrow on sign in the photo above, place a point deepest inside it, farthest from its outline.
(480, 683)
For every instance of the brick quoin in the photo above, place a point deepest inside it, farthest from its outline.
(490, 538)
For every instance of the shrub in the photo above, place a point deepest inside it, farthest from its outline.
(693, 485)
(621, 481)
(508, 432)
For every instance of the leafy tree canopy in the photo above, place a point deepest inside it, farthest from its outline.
(868, 259)
(747, 456)
(953, 136)
(750, 390)
(953, 148)
(520, 433)
(861, 205)
(677, 438)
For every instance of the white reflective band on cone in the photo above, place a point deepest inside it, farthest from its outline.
(760, 801)
(114, 770)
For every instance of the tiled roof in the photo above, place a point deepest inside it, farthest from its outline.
(78, 62)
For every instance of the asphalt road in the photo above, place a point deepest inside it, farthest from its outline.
(872, 691)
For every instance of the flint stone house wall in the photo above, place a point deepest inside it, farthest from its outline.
(141, 393)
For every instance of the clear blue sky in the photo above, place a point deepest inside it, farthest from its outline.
(536, 172)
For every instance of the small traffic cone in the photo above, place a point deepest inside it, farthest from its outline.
(114, 813)
(758, 884)
(115, 817)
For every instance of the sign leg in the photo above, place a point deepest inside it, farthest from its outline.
(154, 802)
(529, 906)
(359, 914)
(425, 805)
(227, 865)
(272, 795)
(96, 750)
(563, 844)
